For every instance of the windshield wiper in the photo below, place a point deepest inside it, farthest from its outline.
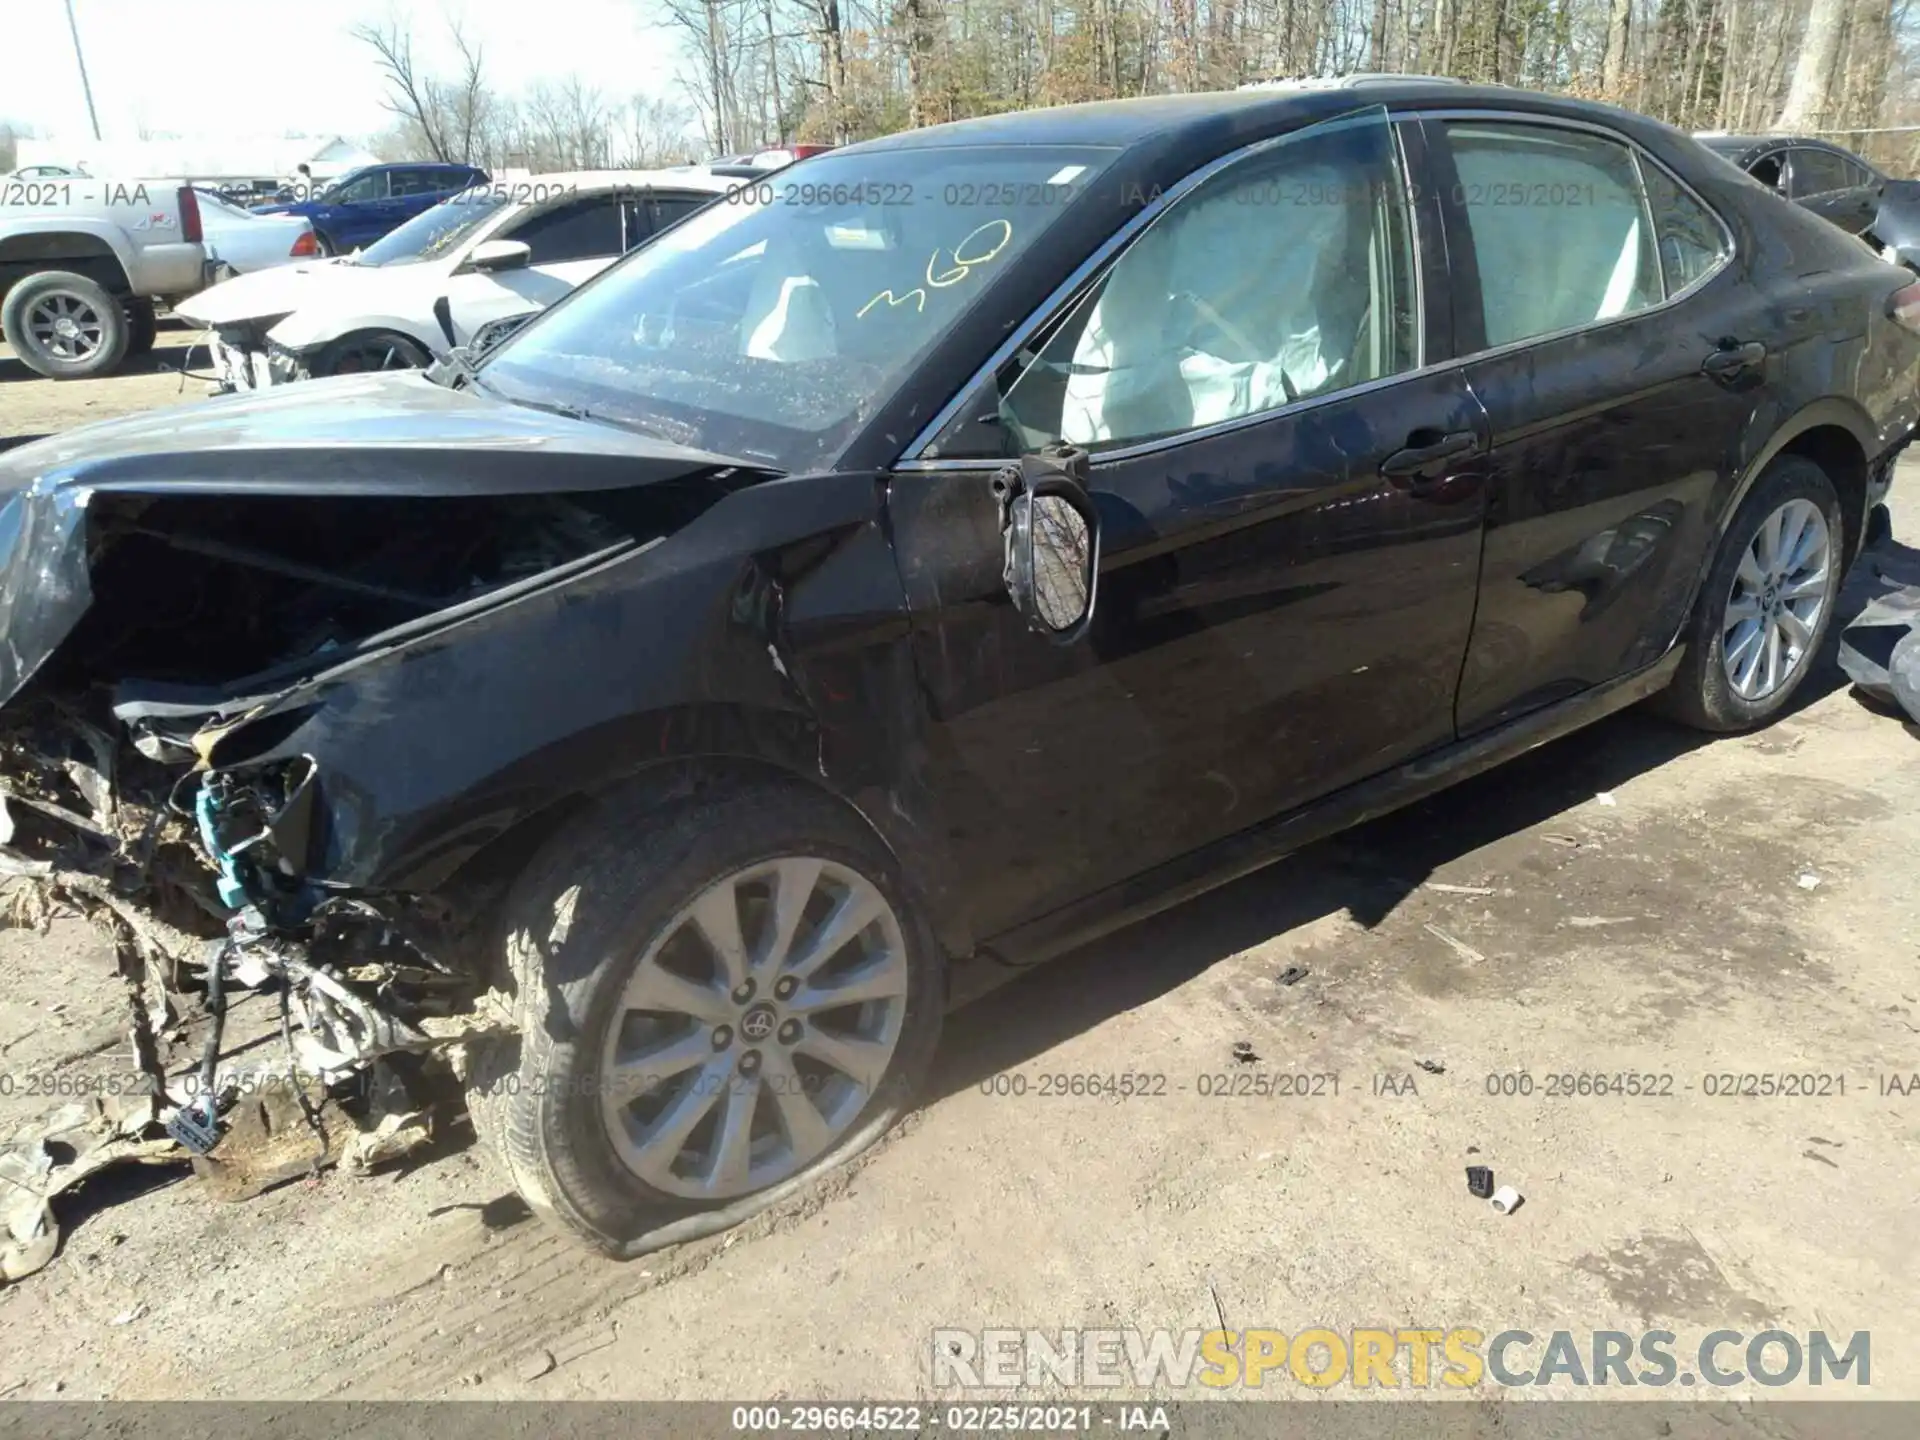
(550, 407)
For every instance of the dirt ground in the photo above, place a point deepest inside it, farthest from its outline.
(1630, 899)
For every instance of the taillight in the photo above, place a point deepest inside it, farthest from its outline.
(189, 215)
(1903, 307)
(305, 245)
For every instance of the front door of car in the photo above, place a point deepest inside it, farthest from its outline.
(1617, 360)
(1290, 503)
(1833, 187)
(571, 242)
(357, 216)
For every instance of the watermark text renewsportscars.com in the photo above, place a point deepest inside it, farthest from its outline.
(1392, 1357)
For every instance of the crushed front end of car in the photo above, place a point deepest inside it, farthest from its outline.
(233, 677)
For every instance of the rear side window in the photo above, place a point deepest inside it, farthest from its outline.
(588, 229)
(671, 208)
(1559, 226)
(1692, 241)
(1820, 172)
(415, 182)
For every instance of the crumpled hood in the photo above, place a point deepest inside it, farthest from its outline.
(385, 435)
(284, 289)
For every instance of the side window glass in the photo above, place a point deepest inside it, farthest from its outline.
(579, 230)
(1692, 240)
(1767, 170)
(422, 182)
(1818, 172)
(366, 187)
(1287, 275)
(672, 208)
(1559, 227)
(636, 220)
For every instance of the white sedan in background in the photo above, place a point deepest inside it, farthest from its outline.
(461, 274)
(243, 242)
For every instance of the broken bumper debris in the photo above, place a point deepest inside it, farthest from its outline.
(226, 667)
(1880, 651)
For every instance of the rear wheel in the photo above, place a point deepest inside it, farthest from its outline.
(1766, 605)
(719, 999)
(65, 326)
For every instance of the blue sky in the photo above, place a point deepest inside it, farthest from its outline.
(264, 67)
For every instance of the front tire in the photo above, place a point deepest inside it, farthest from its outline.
(1766, 605)
(720, 998)
(370, 350)
(65, 326)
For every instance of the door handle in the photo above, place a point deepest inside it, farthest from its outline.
(1733, 358)
(1425, 451)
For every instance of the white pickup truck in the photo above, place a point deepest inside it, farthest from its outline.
(82, 262)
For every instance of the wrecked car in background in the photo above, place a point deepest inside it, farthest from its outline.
(921, 564)
(464, 273)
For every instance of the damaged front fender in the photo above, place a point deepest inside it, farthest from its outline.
(702, 644)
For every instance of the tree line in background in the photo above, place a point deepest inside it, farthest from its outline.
(760, 72)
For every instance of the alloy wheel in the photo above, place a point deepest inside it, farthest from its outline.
(66, 326)
(1779, 595)
(755, 1029)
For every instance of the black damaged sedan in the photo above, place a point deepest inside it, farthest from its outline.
(929, 559)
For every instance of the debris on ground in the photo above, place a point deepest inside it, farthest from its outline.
(1808, 881)
(1506, 1200)
(1880, 651)
(1446, 889)
(1432, 1067)
(1292, 975)
(1243, 1052)
(1459, 947)
(541, 1362)
(1480, 1181)
(1605, 797)
(40, 1162)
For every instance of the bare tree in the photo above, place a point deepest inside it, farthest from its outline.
(654, 133)
(1807, 101)
(411, 96)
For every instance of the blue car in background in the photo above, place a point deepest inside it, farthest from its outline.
(364, 204)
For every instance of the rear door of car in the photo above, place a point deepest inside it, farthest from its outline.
(1290, 478)
(1614, 347)
(1834, 186)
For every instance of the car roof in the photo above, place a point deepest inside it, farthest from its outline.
(1249, 111)
(691, 178)
(1752, 145)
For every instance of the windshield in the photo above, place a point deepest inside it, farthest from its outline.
(436, 231)
(775, 322)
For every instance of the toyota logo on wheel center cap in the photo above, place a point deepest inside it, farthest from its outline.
(757, 1023)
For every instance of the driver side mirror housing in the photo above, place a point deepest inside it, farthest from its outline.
(1050, 541)
(492, 255)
